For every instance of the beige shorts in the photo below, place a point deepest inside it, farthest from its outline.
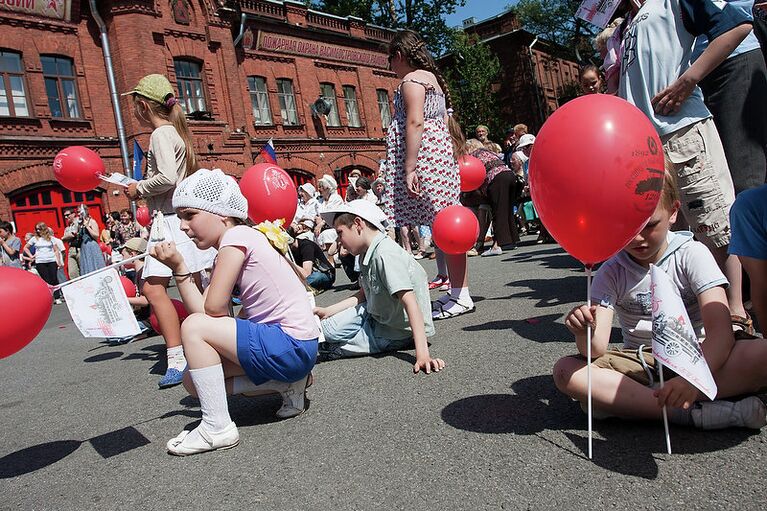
(703, 179)
(628, 363)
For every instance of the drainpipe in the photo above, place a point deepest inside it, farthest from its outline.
(112, 87)
(536, 87)
(243, 17)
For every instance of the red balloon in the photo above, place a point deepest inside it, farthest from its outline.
(27, 303)
(270, 192)
(596, 172)
(472, 172)
(105, 249)
(180, 310)
(78, 168)
(143, 217)
(455, 229)
(128, 286)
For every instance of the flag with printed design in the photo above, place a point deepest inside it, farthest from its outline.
(674, 342)
(597, 12)
(99, 307)
(268, 154)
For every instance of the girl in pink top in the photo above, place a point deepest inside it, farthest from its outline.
(272, 345)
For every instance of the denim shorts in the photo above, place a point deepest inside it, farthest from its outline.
(703, 180)
(266, 353)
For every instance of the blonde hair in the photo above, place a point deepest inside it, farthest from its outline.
(472, 145)
(175, 115)
(413, 49)
(520, 127)
(669, 194)
(45, 231)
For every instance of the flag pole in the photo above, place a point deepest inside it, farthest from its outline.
(588, 357)
(665, 413)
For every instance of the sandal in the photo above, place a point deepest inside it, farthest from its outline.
(205, 441)
(443, 312)
(743, 326)
(439, 281)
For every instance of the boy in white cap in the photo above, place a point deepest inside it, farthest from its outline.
(391, 309)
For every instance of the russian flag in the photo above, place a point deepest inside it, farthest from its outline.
(268, 154)
(138, 158)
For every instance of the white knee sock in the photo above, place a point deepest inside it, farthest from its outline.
(243, 384)
(176, 359)
(211, 390)
(461, 294)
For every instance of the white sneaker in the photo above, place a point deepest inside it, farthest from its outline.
(203, 441)
(294, 399)
(747, 413)
(494, 251)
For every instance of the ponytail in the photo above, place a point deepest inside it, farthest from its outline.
(171, 111)
(412, 47)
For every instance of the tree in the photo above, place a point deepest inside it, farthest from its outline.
(555, 21)
(427, 17)
(474, 71)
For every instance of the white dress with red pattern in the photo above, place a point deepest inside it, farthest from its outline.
(436, 168)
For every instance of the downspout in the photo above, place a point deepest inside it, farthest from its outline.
(536, 87)
(112, 89)
(243, 17)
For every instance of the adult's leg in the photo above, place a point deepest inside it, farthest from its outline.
(405, 238)
(49, 273)
(501, 191)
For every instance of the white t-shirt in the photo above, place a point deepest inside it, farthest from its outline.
(623, 285)
(44, 249)
(657, 47)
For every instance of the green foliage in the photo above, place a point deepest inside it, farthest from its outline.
(427, 17)
(555, 21)
(471, 78)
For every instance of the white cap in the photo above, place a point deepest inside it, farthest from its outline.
(525, 140)
(361, 208)
(211, 191)
(308, 188)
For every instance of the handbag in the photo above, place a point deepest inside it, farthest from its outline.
(77, 240)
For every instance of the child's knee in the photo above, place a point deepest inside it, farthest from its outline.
(192, 326)
(563, 372)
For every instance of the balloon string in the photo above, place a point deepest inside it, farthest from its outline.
(114, 265)
(588, 358)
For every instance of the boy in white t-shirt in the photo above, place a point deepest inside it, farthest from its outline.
(623, 381)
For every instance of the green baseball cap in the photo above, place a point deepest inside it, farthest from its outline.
(155, 87)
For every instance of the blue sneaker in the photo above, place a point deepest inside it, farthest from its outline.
(172, 378)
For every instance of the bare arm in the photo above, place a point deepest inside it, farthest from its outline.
(718, 325)
(306, 268)
(600, 320)
(757, 272)
(415, 318)
(354, 300)
(93, 228)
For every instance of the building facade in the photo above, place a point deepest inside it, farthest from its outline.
(534, 80)
(245, 71)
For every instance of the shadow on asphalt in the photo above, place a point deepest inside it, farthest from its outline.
(630, 448)
(107, 445)
(109, 355)
(538, 329)
(550, 293)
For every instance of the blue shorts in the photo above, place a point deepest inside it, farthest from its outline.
(267, 353)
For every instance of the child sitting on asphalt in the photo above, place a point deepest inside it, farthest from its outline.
(391, 309)
(621, 384)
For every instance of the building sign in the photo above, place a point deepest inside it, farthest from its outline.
(59, 9)
(296, 46)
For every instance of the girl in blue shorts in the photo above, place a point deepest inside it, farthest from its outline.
(270, 347)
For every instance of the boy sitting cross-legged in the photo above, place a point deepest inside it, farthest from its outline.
(391, 309)
(622, 385)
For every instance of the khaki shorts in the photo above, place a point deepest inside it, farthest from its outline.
(703, 179)
(628, 363)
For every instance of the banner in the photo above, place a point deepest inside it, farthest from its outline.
(99, 306)
(58, 9)
(597, 12)
(674, 343)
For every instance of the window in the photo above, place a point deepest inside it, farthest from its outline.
(189, 83)
(13, 100)
(287, 102)
(352, 112)
(328, 93)
(384, 107)
(260, 100)
(60, 86)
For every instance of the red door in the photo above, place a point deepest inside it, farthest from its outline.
(46, 204)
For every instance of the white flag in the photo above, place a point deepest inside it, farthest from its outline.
(674, 343)
(99, 306)
(597, 12)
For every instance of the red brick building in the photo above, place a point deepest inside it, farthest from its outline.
(534, 81)
(246, 71)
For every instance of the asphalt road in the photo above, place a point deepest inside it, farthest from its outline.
(84, 425)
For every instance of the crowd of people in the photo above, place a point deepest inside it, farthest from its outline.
(655, 54)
